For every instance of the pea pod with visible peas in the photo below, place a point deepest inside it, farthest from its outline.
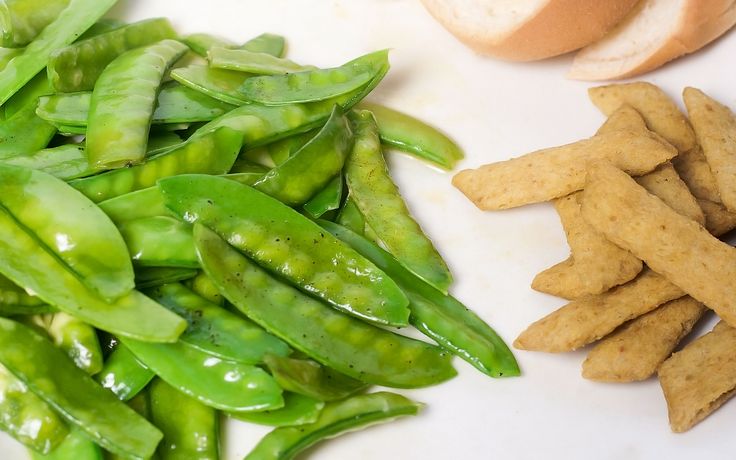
(252, 62)
(159, 241)
(78, 340)
(203, 286)
(298, 410)
(309, 378)
(76, 446)
(22, 20)
(124, 374)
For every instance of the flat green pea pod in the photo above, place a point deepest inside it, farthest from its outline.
(100, 27)
(123, 102)
(201, 43)
(28, 95)
(63, 220)
(124, 374)
(24, 133)
(191, 429)
(215, 330)
(414, 136)
(26, 417)
(64, 162)
(287, 243)
(336, 418)
(219, 84)
(305, 173)
(350, 346)
(327, 199)
(351, 217)
(139, 204)
(160, 241)
(69, 24)
(175, 104)
(298, 410)
(282, 150)
(78, 398)
(203, 286)
(384, 210)
(78, 339)
(314, 85)
(76, 67)
(222, 384)
(256, 63)
(439, 316)
(76, 446)
(311, 379)
(272, 44)
(15, 297)
(213, 153)
(150, 277)
(23, 20)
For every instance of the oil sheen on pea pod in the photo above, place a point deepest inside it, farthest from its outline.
(26, 417)
(66, 162)
(78, 339)
(346, 344)
(306, 172)
(378, 199)
(256, 63)
(78, 398)
(326, 200)
(124, 374)
(123, 102)
(63, 220)
(76, 67)
(336, 418)
(139, 204)
(76, 446)
(306, 377)
(289, 244)
(160, 241)
(219, 84)
(298, 410)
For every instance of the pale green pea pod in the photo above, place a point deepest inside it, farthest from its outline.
(139, 204)
(78, 340)
(272, 44)
(76, 446)
(65, 162)
(220, 84)
(22, 20)
(203, 286)
(298, 410)
(252, 62)
(201, 43)
(160, 241)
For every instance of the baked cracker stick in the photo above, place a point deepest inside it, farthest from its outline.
(624, 117)
(695, 172)
(635, 351)
(665, 183)
(715, 129)
(551, 173)
(672, 245)
(586, 320)
(718, 219)
(701, 378)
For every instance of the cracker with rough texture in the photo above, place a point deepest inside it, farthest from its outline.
(718, 219)
(695, 172)
(586, 320)
(635, 351)
(551, 173)
(701, 378)
(665, 183)
(624, 117)
(715, 129)
(672, 245)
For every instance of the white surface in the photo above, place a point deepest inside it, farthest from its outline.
(494, 110)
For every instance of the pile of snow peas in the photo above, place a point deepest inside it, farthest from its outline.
(191, 227)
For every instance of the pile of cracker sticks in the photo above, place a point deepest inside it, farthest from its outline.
(642, 203)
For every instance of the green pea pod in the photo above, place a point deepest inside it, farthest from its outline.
(351, 217)
(76, 446)
(64, 162)
(256, 63)
(203, 286)
(78, 339)
(308, 378)
(191, 429)
(350, 346)
(305, 173)
(282, 150)
(383, 208)
(62, 220)
(175, 104)
(327, 199)
(219, 84)
(289, 244)
(78, 66)
(66, 27)
(218, 383)
(298, 410)
(24, 133)
(150, 277)
(12, 295)
(272, 44)
(414, 137)
(244, 165)
(123, 374)
(78, 398)
(139, 204)
(7, 54)
(201, 43)
(314, 85)
(336, 418)
(123, 102)
(28, 95)
(216, 331)
(23, 20)
(100, 27)
(26, 417)
(8, 310)
(213, 153)
(160, 241)
(440, 316)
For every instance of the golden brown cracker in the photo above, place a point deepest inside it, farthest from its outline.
(635, 351)
(624, 117)
(665, 183)
(551, 173)
(695, 172)
(586, 320)
(701, 378)
(672, 245)
(718, 219)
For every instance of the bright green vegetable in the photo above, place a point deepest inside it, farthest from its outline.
(272, 44)
(28, 95)
(67, 161)
(220, 84)
(23, 20)
(123, 374)
(298, 410)
(257, 63)
(201, 43)
(13, 296)
(203, 286)
(78, 340)
(309, 378)
(149, 277)
(139, 204)
(159, 241)
(76, 446)
(327, 199)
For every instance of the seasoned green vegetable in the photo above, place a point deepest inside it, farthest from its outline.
(123, 374)
(298, 410)
(252, 62)
(309, 378)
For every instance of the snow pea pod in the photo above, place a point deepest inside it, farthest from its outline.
(309, 378)
(414, 136)
(251, 62)
(24, 133)
(305, 173)
(350, 346)
(283, 149)
(440, 316)
(123, 102)
(327, 199)
(351, 217)
(69, 24)
(213, 153)
(218, 383)
(123, 374)
(215, 330)
(26, 417)
(287, 243)
(76, 67)
(149, 277)
(384, 210)
(76, 446)
(139, 204)
(160, 241)
(28, 94)
(191, 429)
(78, 398)
(272, 44)
(23, 20)
(65, 162)
(336, 418)
(100, 27)
(298, 410)
(203, 286)
(78, 340)
(201, 43)
(13, 295)
(219, 84)
(62, 219)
